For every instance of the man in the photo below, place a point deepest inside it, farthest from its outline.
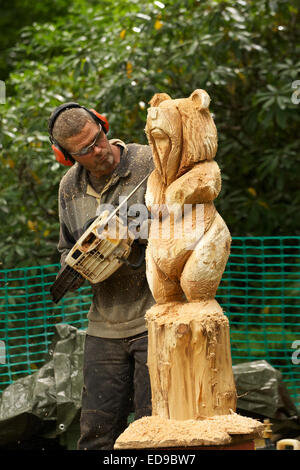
(115, 353)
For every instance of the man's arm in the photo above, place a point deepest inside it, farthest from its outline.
(67, 278)
(65, 243)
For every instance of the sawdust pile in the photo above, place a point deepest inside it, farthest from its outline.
(172, 312)
(157, 432)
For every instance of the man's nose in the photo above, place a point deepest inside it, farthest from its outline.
(97, 149)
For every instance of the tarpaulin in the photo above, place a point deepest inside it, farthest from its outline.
(262, 393)
(48, 401)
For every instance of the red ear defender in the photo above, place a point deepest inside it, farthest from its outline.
(104, 121)
(60, 157)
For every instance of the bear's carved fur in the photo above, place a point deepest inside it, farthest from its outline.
(183, 138)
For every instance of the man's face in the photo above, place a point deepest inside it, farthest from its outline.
(101, 160)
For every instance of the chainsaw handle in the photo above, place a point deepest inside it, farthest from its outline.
(142, 249)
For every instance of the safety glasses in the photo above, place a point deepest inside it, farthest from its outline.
(90, 147)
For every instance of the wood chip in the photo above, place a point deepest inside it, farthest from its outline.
(155, 432)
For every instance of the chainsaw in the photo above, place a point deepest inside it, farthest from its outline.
(98, 253)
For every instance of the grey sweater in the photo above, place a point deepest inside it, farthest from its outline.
(120, 302)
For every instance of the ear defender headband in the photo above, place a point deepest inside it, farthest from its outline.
(61, 155)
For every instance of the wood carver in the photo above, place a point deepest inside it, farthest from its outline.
(189, 355)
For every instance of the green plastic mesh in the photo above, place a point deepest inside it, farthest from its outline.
(259, 293)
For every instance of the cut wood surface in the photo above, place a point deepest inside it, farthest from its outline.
(156, 432)
(189, 360)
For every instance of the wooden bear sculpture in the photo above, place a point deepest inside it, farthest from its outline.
(189, 348)
(189, 356)
(183, 139)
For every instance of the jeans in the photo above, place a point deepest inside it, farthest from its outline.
(116, 382)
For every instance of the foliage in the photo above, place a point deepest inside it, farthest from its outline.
(113, 56)
(17, 14)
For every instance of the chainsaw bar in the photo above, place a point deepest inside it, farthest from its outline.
(66, 280)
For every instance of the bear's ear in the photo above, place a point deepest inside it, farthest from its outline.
(200, 99)
(158, 98)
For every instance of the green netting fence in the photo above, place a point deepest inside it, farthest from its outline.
(259, 292)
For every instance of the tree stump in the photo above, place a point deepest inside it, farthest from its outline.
(189, 360)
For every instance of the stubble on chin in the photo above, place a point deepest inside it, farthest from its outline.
(106, 165)
(108, 162)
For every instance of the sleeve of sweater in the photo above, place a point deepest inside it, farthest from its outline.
(66, 239)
